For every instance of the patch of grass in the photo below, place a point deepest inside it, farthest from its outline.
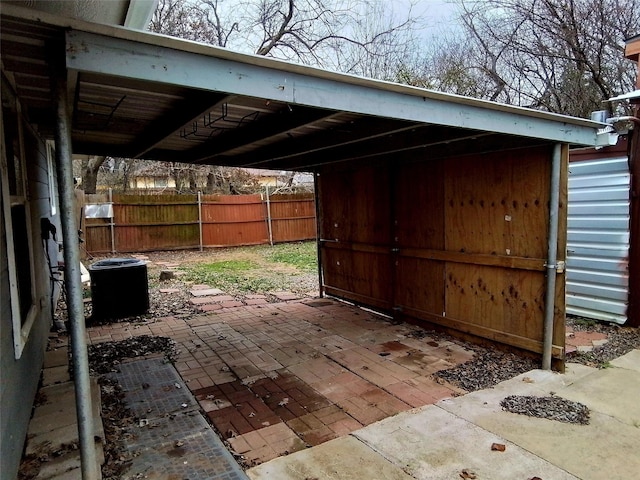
(228, 266)
(258, 269)
(301, 255)
(233, 276)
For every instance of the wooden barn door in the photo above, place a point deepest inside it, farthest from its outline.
(418, 233)
(355, 232)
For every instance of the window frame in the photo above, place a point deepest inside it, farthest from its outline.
(51, 175)
(21, 326)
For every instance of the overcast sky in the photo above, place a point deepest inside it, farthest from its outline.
(438, 15)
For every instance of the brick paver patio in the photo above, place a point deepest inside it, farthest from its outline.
(275, 378)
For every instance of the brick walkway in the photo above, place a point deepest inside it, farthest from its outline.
(275, 378)
(581, 341)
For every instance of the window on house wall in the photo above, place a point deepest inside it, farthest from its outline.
(159, 182)
(17, 222)
(51, 172)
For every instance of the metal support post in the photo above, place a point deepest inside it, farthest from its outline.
(552, 256)
(316, 198)
(73, 283)
(200, 217)
(112, 223)
(269, 226)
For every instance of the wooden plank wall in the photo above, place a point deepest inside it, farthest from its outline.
(460, 242)
(155, 222)
(233, 220)
(293, 217)
(168, 222)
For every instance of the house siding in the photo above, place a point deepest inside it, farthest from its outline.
(20, 378)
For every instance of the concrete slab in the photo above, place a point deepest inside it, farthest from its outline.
(64, 465)
(630, 361)
(53, 375)
(56, 358)
(604, 449)
(342, 459)
(432, 444)
(601, 392)
(58, 439)
(54, 425)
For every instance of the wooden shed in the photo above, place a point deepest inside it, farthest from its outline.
(432, 207)
(451, 235)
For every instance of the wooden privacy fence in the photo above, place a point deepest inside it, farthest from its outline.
(138, 223)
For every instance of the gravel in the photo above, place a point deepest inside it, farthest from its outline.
(552, 408)
(621, 340)
(486, 369)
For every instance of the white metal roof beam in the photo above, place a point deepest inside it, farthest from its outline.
(90, 52)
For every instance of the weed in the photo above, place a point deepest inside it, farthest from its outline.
(584, 322)
(300, 255)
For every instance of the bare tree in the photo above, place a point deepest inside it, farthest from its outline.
(337, 34)
(564, 56)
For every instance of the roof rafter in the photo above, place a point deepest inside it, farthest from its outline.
(357, 131)
(417, 137)
(278, 124)
(189, 111)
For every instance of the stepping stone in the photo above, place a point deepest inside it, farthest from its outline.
(584, 348)
(202, 300)
(223, 298)
(284, 296)
(169, 290)
(210, 307)
(255, 301)
(232, 304)
(203, 292)
(216, 299)
(254, 296)
(200, 286)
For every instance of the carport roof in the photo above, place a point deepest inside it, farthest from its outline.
(142, 95)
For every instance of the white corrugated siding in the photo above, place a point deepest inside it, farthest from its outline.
(598, 239)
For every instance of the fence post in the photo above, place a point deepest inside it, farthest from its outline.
(269, 216)
(200, 217)
(112, 224)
